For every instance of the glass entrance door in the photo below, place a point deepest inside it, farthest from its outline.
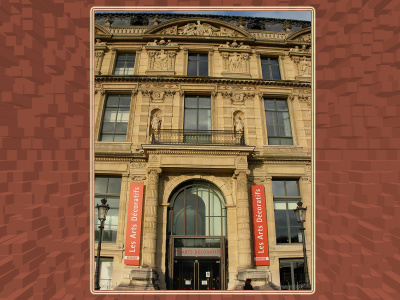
(197, 274)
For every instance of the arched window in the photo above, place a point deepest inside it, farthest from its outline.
(197, 208)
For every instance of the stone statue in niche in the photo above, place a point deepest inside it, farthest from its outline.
(239, 124)
(156, 123)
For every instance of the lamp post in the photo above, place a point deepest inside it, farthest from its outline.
(102, 214)
(301, 218)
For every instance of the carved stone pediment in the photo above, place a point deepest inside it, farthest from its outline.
(199, 27)
(303, 35)
(101, 30)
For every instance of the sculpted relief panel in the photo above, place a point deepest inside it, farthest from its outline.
(161, 60)
(199, 28)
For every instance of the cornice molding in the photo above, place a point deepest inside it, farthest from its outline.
(202, 80)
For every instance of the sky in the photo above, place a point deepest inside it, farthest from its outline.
(304, 15)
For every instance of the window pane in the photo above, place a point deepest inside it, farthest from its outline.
(272, 130)
(275, 72)
(178, 223)
(120, 138)
(190, 102)
(280, 205)
(125, 101)
(269, 104)
(203, 68)
(190, 119)
(281, 218)
(112, 101)
(100, 185)
(266, 72)
(107, 138)
(294, 234)
(292, 188)
(274, 141)
(285, 141)
(292, 205)
(109, 115)
(278, 188)
(114, 185)
(192, 68)
(204, 120)
(281, 106)
(284, 124)
(282, 235)
(292, 217)
(204, 102)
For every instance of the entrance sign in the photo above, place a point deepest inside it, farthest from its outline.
(261, 255)
(198, 252)
(134, 224)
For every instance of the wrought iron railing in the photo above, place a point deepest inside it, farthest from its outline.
(296, 286)
(197, 137)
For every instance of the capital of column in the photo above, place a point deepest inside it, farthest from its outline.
(154, 170)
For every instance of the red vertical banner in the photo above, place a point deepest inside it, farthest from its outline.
(261, 255)
(134, 224)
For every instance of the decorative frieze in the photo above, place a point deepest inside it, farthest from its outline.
(157, 93)
(200, 29)
(112, 147)
(238, 98)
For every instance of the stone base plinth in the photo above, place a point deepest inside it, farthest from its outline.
(141, 280)
(260, 279)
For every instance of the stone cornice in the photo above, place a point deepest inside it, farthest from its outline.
(279, 160)
(128, 157)
(198, 150)
(201, 80)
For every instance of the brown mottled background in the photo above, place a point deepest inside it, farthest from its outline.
(44, 148)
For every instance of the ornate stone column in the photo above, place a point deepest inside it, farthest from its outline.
(243, 220)
(150, 219)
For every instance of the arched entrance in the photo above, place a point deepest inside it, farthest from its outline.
(196, 233)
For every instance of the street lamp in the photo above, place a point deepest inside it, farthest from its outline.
(301, 218)
(102, 214)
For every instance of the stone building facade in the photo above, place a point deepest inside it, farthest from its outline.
(200, 109)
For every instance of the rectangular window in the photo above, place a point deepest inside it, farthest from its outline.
(286, 195)
(278, 122)
(197, 118)
(270, 68)
(124, 64)
(106, 270)
(197, 64)
(107, 187)
(291, 272)
(115, 118)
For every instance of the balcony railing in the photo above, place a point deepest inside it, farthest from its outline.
(197, 137)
